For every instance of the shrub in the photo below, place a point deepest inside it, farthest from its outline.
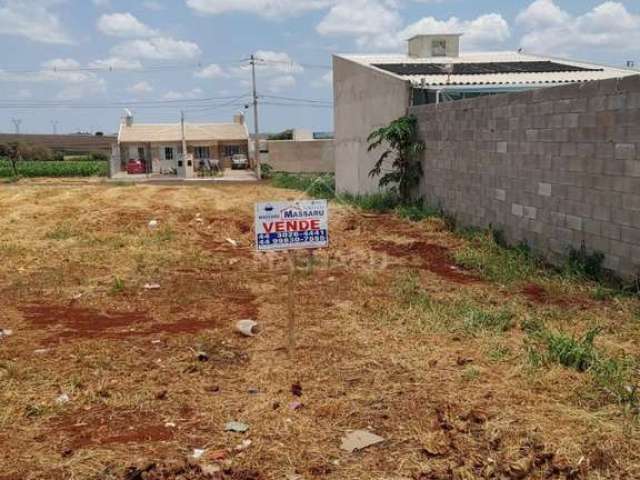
(266, 170)
(589, 265)
(404, 149)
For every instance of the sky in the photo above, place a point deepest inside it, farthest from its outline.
(74, 65)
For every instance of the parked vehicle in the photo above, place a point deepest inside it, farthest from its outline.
(135, 166)
(239, 161)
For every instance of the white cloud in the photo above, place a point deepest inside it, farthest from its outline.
(76, 82)
(266, 8)
(485, 32)
(210, 71)
(33, 20)
(124, 25)
(188, 95)
(377, 25)
(542, 14)
(372, 23)
(277, 84)
(158, 48)
(269, 64)
(551, 30)
(116, 64)
(140, 88)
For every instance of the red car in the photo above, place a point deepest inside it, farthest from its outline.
(135, 166)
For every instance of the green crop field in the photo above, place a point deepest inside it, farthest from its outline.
(56, 169)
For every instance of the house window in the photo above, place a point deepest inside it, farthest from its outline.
(168, 153)
(201, 152)
(439, 48)
(231, 150)
(140, 153)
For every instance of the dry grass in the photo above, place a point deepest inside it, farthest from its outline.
(390, 337)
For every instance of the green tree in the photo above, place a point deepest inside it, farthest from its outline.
(404, 151)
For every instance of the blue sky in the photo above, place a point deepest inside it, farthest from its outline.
(78, 62)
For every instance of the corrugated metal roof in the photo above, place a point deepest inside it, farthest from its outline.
(172, 132)
(587, 71)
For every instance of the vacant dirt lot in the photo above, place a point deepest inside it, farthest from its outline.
(104, 379)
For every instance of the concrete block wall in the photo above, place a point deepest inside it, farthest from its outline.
(364, 100)
(555, 167)
(302, 156)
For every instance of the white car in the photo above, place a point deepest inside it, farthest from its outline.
(239, 161)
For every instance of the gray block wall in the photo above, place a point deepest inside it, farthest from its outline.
(302, 156)
(555, 167)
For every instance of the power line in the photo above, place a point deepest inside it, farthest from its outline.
(301, 100)
(128, 69)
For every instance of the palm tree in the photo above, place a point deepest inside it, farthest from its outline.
(405, 173)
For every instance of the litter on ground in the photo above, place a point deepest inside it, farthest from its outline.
(237, 427)
(359, 440)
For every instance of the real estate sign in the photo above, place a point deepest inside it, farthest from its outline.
(292, 225)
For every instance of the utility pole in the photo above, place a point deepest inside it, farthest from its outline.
(183, 137)
(54, 126)
(16, 123)
(256, 138)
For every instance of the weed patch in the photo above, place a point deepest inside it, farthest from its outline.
(475, 320)
(496, 263)
(316, 186)
(615, 377)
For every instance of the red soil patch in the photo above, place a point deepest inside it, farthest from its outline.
(537, 294)
(73, 322)
(81, 429)
(434, 258)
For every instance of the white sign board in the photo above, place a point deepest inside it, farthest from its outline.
(292, 225)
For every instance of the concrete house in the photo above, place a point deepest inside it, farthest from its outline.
(160, 146)
(372, 90)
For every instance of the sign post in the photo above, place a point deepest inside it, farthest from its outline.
(291, 226)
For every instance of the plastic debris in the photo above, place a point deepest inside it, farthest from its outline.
(5, 332)
(197, 453)
(169, 425)
(153, 224)
(77, 296)
(244, 445)
(237, 427)
(62, 399)
(359, 440)
(232, 242)
(152, 286)
(296, 405)
(253, 391)
(202, 356)
(211, 469)
(248, 328)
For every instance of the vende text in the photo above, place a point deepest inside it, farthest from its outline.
(292, 226)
